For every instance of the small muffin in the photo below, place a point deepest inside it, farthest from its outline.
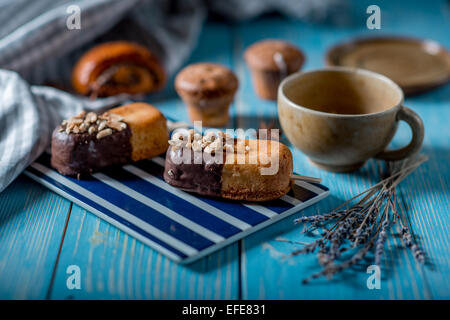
(207, 89)
(118, 67)
(270, 61)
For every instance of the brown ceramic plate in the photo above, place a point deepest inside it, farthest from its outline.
(416, 65)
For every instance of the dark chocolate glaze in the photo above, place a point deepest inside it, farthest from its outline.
(81, 153)
(204, 178)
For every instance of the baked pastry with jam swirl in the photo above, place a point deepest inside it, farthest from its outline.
(118, 67)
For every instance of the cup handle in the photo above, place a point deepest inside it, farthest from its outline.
(418, 131)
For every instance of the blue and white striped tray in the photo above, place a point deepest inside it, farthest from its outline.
(183, 226)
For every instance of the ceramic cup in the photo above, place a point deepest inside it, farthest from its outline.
(340, 117)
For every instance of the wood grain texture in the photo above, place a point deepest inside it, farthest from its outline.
(32, 221)
(114, 265)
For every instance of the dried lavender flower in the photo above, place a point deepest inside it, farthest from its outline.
(379, 248)
(407, 239)
(361, 226)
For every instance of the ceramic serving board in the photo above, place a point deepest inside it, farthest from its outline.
(181, 225)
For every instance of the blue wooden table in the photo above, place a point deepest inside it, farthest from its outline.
(41, 233)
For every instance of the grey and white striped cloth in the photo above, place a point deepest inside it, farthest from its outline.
(37, 48)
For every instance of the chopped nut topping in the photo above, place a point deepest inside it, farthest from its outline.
(70, 125)
(83, 127)
(115, 117)
(77, 121)
(102, 125)
(115, 125)
(90, 122)
(91, 117)
(104, 133)
(81, 115)
(104, 116)
(212, 142)
(177, 136)
(210, 137)
(196, 146)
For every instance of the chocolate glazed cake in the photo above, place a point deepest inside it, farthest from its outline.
(74, 154)
(89, 141)
(204, 177)
(187, 168)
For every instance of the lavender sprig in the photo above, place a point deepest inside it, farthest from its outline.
(319, 217)
(331, 268)
(308, 248)
(379, 248)
(361, 226)
(407, 239)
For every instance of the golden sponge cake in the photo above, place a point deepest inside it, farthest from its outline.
(148, 126)
(265, 174)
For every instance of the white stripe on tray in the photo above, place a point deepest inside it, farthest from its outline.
(309, 186)
(204, 232)
(186, 196)
(163, 236)
(291, 200)
(260, 209)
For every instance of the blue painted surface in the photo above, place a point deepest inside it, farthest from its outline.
(32, 220)
(114, 265)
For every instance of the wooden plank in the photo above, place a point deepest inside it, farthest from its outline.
(32, 220)
(116, 266)
(113, 265)
(264, 271)
(426, 195)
